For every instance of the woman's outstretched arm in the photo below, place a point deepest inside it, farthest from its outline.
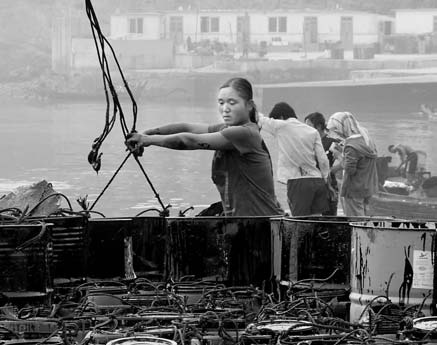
(180, 141)
(174, 128)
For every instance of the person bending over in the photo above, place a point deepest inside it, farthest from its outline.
(409, 160)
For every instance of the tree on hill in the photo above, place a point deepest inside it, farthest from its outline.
(25, 39)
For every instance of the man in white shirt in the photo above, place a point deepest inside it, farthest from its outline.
(302, 162)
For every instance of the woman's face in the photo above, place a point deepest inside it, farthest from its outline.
(234, 109)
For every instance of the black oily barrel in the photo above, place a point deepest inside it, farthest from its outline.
(237, 250)
(315, 247)
(107, 244)
(70, 239)
(24, 252)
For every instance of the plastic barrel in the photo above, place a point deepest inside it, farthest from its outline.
(392, 259)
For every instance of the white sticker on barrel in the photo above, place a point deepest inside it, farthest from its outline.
(423, 270)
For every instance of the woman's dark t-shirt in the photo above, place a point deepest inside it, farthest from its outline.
(243, 176)
(327, 142)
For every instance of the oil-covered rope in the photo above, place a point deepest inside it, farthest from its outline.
(100, 43)
(94, 157)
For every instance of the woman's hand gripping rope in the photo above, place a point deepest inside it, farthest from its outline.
(135, 144)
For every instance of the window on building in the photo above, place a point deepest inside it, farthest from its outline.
(209, 24)
(311, 30)
(136, 25)
(177, 28)
(132, 25)
(215, 24)
(176, 24)
(243, 24)
(240, 24)
(204, 24)
(273, 24)
(140, 25)
(277, 24)
(282, 24)
(387, 28)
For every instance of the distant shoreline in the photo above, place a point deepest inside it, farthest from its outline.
(200, 86)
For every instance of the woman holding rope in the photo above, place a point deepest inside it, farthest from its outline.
(241, 167)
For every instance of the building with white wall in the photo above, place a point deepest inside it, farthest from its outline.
(289, 30)
(306, 28)
(138, 38)
(138, 26)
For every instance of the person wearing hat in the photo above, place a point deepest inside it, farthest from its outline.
(302, 162)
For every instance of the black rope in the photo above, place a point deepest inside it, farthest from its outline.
(100, 42)
(106, 70)
(94, 157)
(164, 212)
(164, 208)
(109, 182)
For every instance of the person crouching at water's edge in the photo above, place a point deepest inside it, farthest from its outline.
(241, 167)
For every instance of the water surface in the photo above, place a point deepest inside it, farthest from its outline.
(52, 142)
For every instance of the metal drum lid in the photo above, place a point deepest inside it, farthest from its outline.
(55, 340)
(426, 324)
(141, 340)
(278, 326)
